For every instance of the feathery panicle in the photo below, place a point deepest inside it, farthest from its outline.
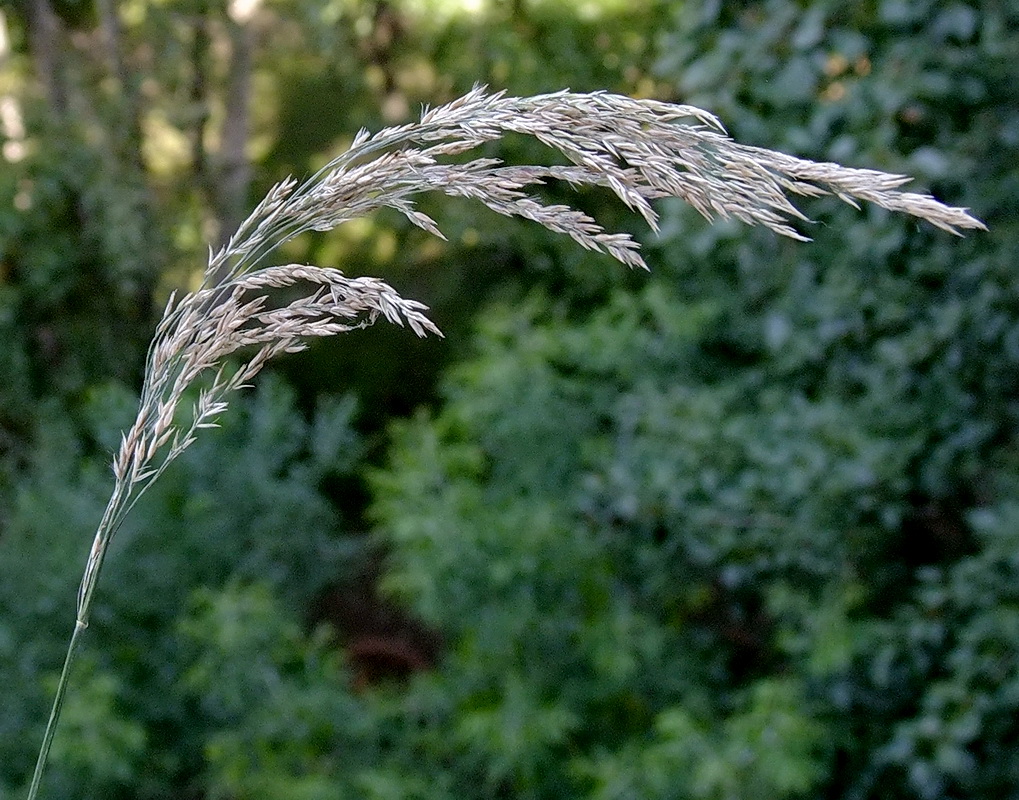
(641, 150)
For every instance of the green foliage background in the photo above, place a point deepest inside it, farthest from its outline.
(747, 526)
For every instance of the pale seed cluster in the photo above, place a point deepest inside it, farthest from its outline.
(641, 150)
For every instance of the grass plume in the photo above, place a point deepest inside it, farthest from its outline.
(223, 333)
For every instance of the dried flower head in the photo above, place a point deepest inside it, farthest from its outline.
(641, 150)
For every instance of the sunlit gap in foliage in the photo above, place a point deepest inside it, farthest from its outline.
(581, 9)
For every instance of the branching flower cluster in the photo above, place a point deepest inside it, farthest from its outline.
(641, 150)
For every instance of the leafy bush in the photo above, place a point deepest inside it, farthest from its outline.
(763, 476)
(247, 504)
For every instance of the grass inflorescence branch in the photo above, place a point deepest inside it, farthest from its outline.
(221, 335)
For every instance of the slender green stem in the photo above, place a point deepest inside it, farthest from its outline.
(120, 502)
(58, 701)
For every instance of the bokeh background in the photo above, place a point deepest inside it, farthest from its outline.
(744, 527)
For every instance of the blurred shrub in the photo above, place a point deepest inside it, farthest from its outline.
(77, 262)
(764, 475)
(246, 505)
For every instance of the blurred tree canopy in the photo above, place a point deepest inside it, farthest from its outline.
(744, 527)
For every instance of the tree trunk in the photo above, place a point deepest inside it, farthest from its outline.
(129, 139)
(45, 41)
(234, 166)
